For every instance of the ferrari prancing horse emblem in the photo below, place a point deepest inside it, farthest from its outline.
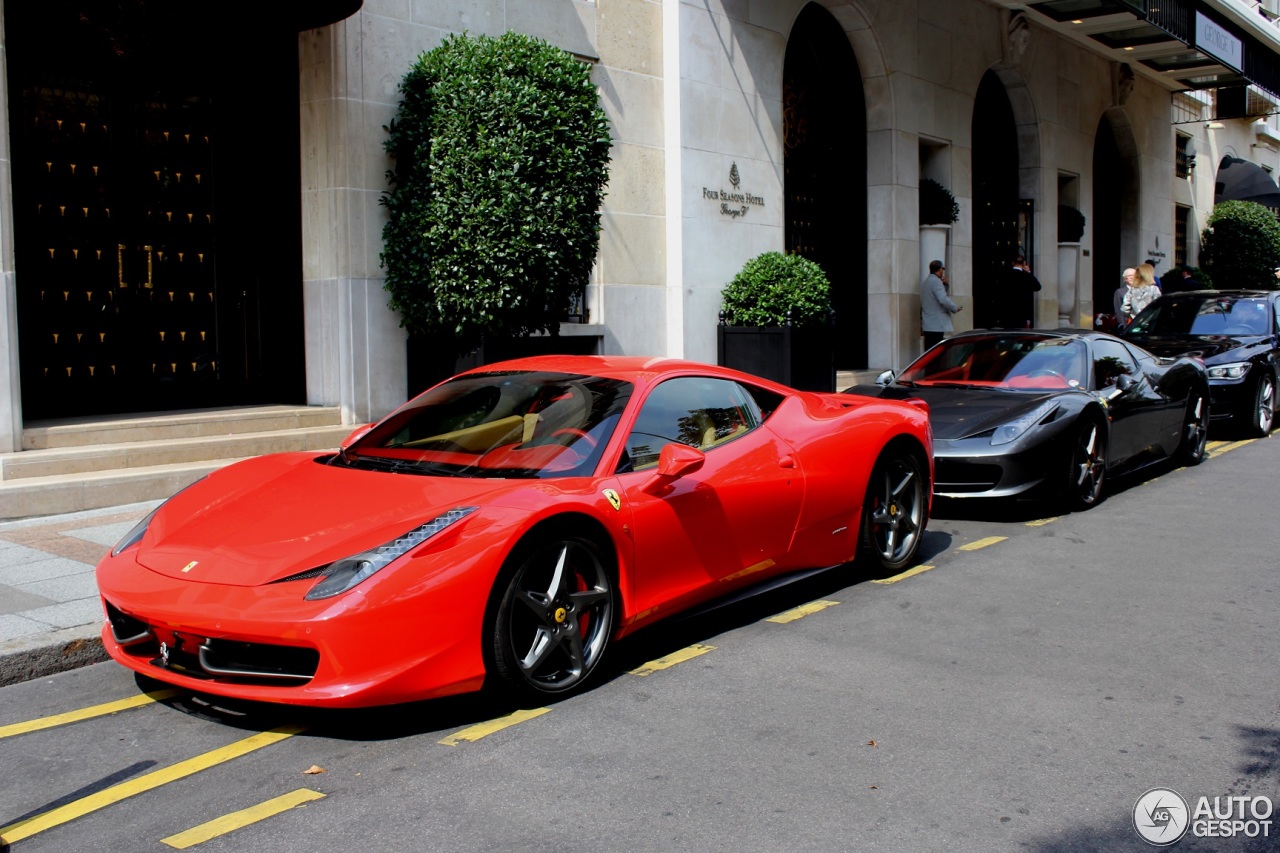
(614, 500)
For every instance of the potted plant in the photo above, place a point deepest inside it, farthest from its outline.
(1070, 224)
(937, 205)
(775, 322)
(1070, 230)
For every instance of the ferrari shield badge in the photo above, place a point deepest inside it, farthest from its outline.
(614, 500)
(189, 566)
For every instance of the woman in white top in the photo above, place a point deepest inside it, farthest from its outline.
(1142, 292)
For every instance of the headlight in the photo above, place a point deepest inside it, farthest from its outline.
(342, 575)
(1235, 370)
(134, 536)
(1012, 430)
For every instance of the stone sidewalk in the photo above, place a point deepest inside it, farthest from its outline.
(50, 615)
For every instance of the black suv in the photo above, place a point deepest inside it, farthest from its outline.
(1236, 333)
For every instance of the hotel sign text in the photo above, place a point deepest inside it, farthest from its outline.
(1218, 43)
(734, 202)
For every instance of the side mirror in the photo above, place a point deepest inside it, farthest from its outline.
(885, 379)
(1124, 382)
(675, 461)
(356, 434)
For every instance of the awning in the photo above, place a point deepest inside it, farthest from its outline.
(1241, 180)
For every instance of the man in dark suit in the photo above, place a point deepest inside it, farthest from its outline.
(1014, 306)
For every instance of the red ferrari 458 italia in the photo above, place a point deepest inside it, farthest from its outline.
(509, 524)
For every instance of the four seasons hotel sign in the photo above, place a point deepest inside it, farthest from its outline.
(733, 202)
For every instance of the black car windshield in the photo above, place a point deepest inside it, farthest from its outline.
(504, 424)
(1007, 360)
(1203, 315)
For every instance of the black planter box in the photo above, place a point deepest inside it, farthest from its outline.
(802, 358)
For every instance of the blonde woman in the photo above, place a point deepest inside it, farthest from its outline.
(1142, 292)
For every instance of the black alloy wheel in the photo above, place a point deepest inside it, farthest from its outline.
(1088, 466)
(555, 617)
(895, 511)
(1195, 429)
(1261, 417)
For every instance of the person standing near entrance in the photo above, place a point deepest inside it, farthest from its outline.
(1015, 305)
(1142, 292)
(936, 306)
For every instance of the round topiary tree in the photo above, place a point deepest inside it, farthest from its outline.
(501, 156)
(1240, 247)
(937, 205)
(773, 288)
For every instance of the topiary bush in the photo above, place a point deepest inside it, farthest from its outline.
(937, 205)
(772, 288)
(1240, 247)
(1070, 224)
(501, 154)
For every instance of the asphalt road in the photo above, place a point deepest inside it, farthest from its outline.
(1020, 694)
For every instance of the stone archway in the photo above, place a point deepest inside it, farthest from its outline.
(1115, 207)
(825, 167)
(1005, 183)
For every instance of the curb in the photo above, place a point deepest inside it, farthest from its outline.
(35, 657)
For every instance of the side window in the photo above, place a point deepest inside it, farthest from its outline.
(698, 411)
(1111, 360)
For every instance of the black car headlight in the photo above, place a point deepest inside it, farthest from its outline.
(1013, 430)
(341, 575)
(1235, 370)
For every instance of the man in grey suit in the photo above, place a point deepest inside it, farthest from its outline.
(936, 306)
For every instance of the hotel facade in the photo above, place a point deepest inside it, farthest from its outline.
(189, 197)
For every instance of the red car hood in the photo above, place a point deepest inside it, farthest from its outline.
(268, 518)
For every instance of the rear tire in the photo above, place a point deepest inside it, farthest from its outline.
(1088, 469)
(894, 512)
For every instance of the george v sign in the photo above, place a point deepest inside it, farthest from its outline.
(734, 201)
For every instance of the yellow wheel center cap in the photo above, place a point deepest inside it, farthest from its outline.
(560, 614)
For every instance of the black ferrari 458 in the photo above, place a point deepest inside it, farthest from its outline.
(1051, 413)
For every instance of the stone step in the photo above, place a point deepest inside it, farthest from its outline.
(87, 458)
(158, 426)
(35, 496)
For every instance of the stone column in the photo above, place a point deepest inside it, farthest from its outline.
(10, 384)
(355, 348)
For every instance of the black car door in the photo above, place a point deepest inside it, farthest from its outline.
(1135, 405)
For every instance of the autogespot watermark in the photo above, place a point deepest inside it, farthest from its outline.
(1162, 817)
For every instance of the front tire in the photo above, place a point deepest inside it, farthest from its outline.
(1261, 416)
(1195, 429)
(895, 511)
(1088, 469)
(555, 616)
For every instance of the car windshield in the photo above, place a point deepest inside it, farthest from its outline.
(1203, 315)
(530, 424)
(1008, 361)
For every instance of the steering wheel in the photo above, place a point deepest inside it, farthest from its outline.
(575, 433)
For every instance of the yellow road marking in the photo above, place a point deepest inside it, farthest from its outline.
(800, 612)
(1233, 445)
(909, 573)
(85, 713)
(672, 659)
(1213, 445)
(982, 543)
(1041, 522)
(79, 808)
(479, 730)
(244, 817)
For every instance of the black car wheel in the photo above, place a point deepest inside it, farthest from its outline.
(1261, 417)
(1088, 466)
(1195, 429)
(895, 511)
(555, 617)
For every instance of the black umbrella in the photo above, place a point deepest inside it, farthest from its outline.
(1241, 180)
